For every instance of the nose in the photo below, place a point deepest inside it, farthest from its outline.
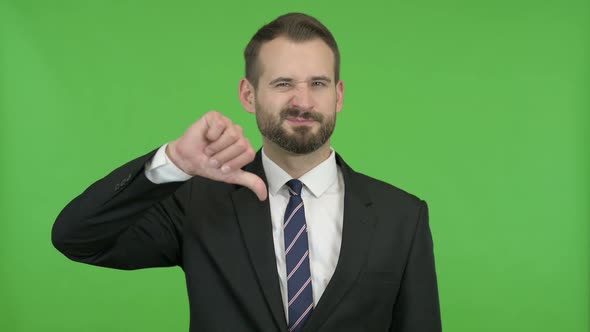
(302, 98)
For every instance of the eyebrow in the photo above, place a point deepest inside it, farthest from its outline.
(290, 80)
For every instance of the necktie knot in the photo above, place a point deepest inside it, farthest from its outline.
(295, 187)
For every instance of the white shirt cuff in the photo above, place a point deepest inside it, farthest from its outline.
(160, 169)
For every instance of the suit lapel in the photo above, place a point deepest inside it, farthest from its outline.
(357, 231)
(256, 226)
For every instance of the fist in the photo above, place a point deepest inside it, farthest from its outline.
(215, 148)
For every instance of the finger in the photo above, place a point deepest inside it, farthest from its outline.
(239, 161)
(198, 129)
(216, 125)
(250, 181)
(230, 136)
(231, 152)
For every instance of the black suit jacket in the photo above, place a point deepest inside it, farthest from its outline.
(220, 234)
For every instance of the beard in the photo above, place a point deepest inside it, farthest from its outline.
(303, 140)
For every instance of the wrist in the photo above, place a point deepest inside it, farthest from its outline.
(173, 156)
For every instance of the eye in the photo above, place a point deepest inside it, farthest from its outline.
(318, 83)
(283, 85)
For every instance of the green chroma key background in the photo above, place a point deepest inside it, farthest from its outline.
(481, 108)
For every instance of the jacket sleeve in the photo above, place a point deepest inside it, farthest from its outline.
(417, 307)
(124, 221)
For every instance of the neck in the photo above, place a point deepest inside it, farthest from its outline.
(295, 164)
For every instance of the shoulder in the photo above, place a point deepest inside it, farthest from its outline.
(384, 197)
(382, 192)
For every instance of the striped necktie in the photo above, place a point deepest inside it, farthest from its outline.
(300, 296)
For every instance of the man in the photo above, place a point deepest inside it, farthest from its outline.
(286, 239)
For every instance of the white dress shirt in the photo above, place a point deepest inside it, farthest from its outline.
(323, 201)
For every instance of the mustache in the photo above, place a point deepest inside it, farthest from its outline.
(297, 113)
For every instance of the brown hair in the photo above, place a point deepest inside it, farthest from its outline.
(297, 27)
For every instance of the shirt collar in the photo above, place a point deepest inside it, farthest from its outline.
(317, 180)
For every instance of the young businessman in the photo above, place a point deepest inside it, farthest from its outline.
(286, 239)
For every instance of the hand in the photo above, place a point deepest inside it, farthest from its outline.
(215, 148)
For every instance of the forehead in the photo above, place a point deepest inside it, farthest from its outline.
(299, 60)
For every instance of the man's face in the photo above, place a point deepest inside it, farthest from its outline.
(297, 98)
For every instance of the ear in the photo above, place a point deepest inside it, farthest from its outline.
(247, 95)
(339, 95)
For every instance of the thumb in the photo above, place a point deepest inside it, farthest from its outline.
(250, 181)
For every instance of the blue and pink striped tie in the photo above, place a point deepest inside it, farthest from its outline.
(300, 296)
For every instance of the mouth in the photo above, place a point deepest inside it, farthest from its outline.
(299, 121)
